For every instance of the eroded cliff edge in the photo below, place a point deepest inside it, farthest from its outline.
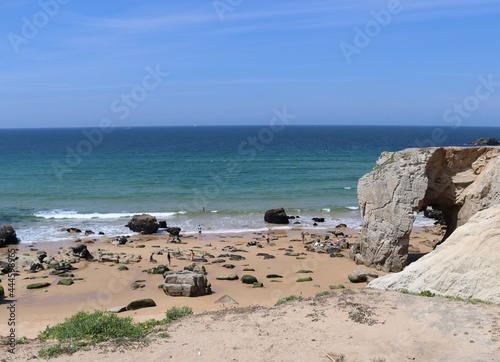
(459, 181)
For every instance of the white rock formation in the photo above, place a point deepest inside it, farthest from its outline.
(467, 265)
(459, 181)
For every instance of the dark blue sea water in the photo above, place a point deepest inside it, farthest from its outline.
(59, 178)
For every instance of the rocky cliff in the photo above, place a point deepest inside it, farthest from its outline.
(467, 265)
(459, 181)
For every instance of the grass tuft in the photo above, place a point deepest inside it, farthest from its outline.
(287, 299)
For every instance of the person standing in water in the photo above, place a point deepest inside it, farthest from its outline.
(199, 229)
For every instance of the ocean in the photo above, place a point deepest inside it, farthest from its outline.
(223, 178)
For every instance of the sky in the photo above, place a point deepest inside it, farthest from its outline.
(71, 63)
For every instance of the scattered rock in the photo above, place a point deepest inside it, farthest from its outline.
(248, 279)
(141, 303)
(8, 236)
(119, 309)
(198, 269)
(81, 251)
(227, 277)
(226, 299)
(276, 216)
(318, 219)
(186, 284)
(144, 224)
(38, 285)
(173, 231)
(65, 282)
(360, 275)
(160, 269)
(338, 286)
(306, 279)
(271, 276)
(229, 266)
(258, 285)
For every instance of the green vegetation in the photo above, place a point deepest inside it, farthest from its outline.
(338, 286)
(468, 300)
(86, 329)
(287, 299)
(303, 271)
(2, 292)
(322, 294)
(427, 293)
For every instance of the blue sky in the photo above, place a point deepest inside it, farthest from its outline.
(69, 63)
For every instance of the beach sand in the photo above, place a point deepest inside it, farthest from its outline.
(104, 286)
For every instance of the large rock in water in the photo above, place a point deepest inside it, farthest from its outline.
(185, 284)
(8, 235)
(276, 216)
(467, 265)
(459, 181)
(144, 224)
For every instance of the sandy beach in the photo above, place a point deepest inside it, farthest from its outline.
(352, 324)
(103, 286)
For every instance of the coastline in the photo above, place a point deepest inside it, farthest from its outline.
(104, 287)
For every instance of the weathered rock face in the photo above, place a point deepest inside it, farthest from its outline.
(145, 224)
(276, 216)
(8, 235)
(185, 284)
(465, 266)
(459, 181)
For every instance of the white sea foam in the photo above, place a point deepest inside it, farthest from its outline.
(326, 209)
(352, 207)
(347, 188)
(71, 214)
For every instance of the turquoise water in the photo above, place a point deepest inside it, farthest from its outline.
(60, 178)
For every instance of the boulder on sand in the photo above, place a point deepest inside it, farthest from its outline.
(8, 235)
(276, 216)
(185, 284)
(144, 224)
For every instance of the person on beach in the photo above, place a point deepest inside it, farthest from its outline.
(303, 237)
(151, 259)
(169, 259)
(192, 255)
(199, 229)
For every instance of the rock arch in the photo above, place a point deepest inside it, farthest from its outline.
(459, 181)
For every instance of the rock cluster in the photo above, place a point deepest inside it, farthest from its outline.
(459, 181)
